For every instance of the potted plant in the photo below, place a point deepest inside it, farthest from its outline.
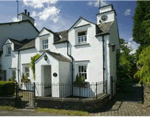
(80, 82)
(25, 81)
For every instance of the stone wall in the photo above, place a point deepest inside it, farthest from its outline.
(147, 95)
(7, 101)
(87, 104)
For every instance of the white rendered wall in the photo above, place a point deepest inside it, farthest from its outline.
(105, 9)
(39, 73)
(111, 17)
(114, 38)
(58, 48)
(65, 79)
(91, 53)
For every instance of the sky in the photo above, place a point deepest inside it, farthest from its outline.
(61, 15)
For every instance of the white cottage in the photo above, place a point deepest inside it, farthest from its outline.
(86, 48)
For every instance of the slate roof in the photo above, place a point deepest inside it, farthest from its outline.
(30, 44)
(24, 44)
(64, 36)
(57, 56)
(103, 28)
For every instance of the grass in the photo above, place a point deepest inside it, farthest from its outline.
(10, 108)
(63, 112)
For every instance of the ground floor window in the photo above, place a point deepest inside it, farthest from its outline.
(26, 70)
(14, 73)
(82, 71)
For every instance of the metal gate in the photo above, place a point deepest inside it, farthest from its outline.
(25, 92)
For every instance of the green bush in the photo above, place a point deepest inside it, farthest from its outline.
(12, 79)
(7, 88)
(25, 79)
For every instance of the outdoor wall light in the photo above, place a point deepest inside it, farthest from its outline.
(45, 57)
(112, 45)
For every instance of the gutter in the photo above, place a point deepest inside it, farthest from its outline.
(18, 64)
(71, 63)
(104, 65)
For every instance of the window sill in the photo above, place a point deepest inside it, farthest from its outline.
(81, 44)
(7, 55)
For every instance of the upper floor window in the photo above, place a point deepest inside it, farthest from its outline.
(45, 44)
(82, 37)
(8, 50)
(82, 71)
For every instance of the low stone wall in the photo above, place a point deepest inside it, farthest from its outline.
(87, 104)
(7, 101)
(147, 95)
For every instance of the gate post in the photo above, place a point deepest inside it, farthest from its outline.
(142, 92)
(17, 99)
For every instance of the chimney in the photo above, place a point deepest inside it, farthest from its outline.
(25, 11)
(28, 13)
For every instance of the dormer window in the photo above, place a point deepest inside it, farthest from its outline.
(45, 44)
(82, 37)
(8, 50)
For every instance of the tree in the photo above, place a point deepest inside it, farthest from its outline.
(144, 61)
(141, 28)
(125, 61)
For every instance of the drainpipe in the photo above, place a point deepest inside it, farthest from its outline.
(104, 65)
(71, 63)
(18, 64)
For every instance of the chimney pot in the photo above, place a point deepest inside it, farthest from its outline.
(25, 11)
(28, 13)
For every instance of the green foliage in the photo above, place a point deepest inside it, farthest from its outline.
(32, 64)
(79, 80)
(144, 61)
(25, 78)
(7, 88)
(141, 29)
(126, 66)
(12, 79)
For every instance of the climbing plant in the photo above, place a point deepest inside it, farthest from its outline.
(32, 64)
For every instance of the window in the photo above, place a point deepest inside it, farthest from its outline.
(82, 71)
(82, 37)
(26, 70)
(14, 73)
(45, 44)
(27, 73)
(8, 51)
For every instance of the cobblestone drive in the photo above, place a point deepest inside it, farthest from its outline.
(125, 104)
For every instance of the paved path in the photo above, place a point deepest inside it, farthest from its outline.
(125, 104)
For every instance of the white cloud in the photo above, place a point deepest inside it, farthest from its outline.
(132, 45)
(97, 2)
(33, 14)
(127, 12)
(90, 3)
(38, 3)
(49, 12)
(14, 19)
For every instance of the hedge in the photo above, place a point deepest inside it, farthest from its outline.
(7, 88)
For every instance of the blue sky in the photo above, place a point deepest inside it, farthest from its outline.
(60, 15)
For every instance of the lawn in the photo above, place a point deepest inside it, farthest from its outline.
(10, 108)
(63, 112)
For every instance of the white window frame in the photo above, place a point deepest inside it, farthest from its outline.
(45, 44)
(82, 38)
(8, 52)
(81, 71)
(14, 70)
(24, 70)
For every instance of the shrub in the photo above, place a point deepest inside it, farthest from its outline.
(12, 79)
(7, 88)
(25, 79)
